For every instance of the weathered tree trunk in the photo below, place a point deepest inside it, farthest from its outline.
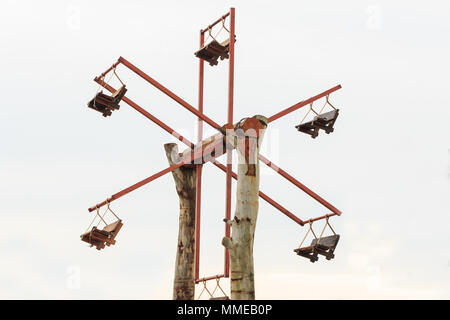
(240, 245)
(184, 283)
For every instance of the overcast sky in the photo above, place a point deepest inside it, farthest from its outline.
(386, 166)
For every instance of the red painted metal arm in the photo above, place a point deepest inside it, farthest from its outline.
(141, 183)
(265, 197)
(172, 95)
(136, 185)
(303, 103)
(299, 185)
(148, 115)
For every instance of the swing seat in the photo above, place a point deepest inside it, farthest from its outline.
(101, 237)
(213, 51)
(325, 247)
(105, 104)
(323, 121)
(220, 298)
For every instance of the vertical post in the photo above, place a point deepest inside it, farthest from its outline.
(184, 282)
(199, 167)
(240, 244)
(229, 152)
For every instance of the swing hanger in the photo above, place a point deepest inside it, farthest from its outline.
(106, 236)
(211, 294)
(104, 103)
(320, 245)
(324, 121)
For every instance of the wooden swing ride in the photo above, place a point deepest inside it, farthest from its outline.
(206, 150)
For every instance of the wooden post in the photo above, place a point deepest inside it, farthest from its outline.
(247, 140)
(184, 282)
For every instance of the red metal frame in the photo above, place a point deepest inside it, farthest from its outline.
(261, 157)
(212, 123)
(228, 168)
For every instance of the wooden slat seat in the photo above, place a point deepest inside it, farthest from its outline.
(101, 237)
(325, 247)
(308, 128)
(213, 51)
(323, 121)
(105, 104)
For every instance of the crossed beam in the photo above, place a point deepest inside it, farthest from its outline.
(208, 149)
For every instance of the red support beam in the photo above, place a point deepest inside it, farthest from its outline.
(141, 183)
(198, 178)
(299, 185)
(266, 198)
(148, 115)
(303, 103)
(229, 151)
(136, 185)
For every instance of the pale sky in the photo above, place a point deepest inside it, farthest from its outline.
(386, 166)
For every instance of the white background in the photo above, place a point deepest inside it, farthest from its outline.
(386, 166)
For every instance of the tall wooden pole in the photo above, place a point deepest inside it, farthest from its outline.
(247, 139)
(185, 182)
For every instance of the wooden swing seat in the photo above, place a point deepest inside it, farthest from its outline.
(106, 104)
(323, 121)
(325, 247)
(101, 237)
(213, 51)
